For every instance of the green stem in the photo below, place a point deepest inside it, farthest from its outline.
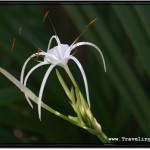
(70, 76)
(103, 138)
(58, 114)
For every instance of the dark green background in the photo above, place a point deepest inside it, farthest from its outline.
(120, 98)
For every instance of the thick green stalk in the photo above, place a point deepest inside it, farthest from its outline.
(103, 138)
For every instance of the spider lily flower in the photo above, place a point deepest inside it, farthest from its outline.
(58, 55)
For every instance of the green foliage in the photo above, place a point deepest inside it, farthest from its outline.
(120, 99)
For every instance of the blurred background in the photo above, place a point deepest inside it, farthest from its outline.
(120, 98)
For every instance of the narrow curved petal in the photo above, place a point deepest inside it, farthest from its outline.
(50, 41)
(90, 44)
(28, 100)
(84, 77)
(42, 88)
(27, 76)
(26, 62)
(29, 73)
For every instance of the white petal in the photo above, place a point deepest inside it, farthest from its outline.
(42, 88)
(29, 73)
(71, 47)
(50, 58)
(27, 76)
(84, 77)
(50, 41)
(28, 100)
(93, 45)
(25, 64)
(68, 51)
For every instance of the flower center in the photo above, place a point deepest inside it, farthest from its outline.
(57, 54)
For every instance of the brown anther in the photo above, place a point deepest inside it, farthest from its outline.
(91, 22)
(46, 15)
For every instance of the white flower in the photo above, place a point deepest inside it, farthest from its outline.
(59, 55)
